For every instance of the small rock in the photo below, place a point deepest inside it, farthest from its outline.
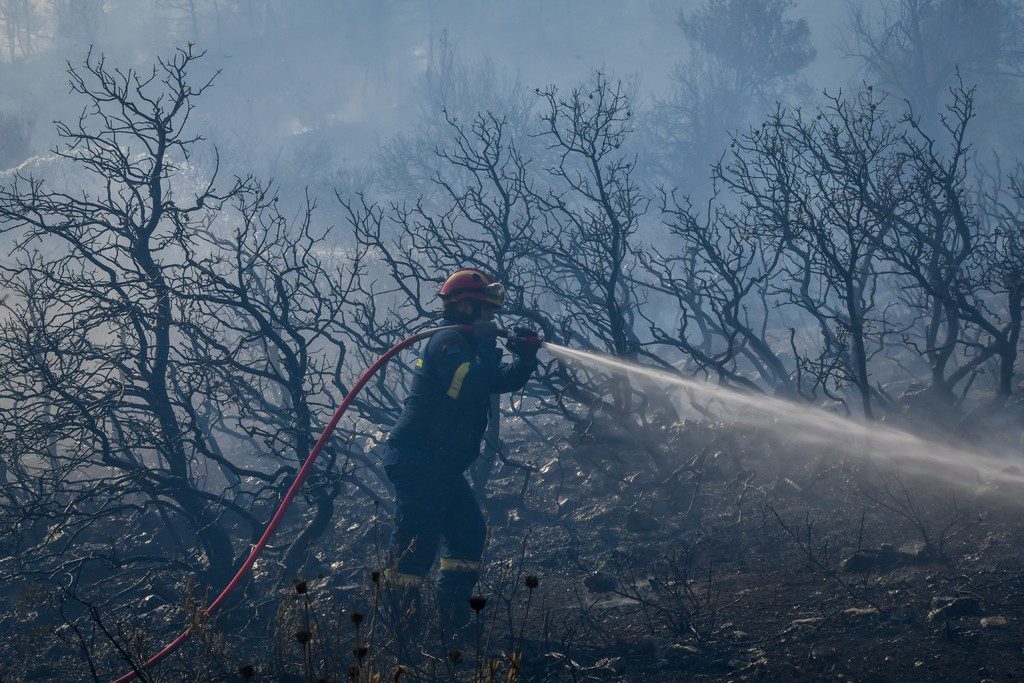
(612, 663)
(557, 662)
(884, 558)
(600, 582)
(550, 469)
(566, 504)
(151, 602)
(954, 608)
(994, 622)
(681, 651)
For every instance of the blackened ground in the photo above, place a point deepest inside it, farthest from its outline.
(702, 553)
(786, 567)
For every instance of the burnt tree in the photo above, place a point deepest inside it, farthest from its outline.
(92, 317)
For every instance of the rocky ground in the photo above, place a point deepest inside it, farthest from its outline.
(746, 567)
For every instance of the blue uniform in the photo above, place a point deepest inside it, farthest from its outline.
(435, 439)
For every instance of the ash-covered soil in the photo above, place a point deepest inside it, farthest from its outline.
(740, 565)
(701, 553)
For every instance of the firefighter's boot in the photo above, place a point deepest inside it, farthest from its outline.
(458, 578)
(403, 609)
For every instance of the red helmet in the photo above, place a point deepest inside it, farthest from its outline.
(470, 283)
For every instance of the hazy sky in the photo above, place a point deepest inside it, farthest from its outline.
(349, 72)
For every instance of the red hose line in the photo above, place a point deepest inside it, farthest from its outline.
(300, 479)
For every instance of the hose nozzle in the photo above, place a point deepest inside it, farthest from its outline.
(532, 340)
(528, 339)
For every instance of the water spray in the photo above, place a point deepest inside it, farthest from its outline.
(809, 425)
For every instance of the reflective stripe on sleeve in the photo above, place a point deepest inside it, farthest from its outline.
(451, 564)
(399, 579)
(457, 379)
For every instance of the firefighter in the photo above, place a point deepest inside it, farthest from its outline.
(435, 439)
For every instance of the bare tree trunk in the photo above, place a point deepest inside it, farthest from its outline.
(297, 558)
(1008, 352)
(860, 358)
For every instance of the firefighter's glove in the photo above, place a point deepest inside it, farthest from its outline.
(486, 334)
(523, 342)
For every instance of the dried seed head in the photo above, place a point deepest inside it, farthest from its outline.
(399, 671)
(360, 652)
(300, 586)
(356, 617)
(375, 576)
(303, 636)
(477, 602)
(455, 656)
(531, 581)
(247, 671)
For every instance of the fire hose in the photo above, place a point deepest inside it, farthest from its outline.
(300, 479)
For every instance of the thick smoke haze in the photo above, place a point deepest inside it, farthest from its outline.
(338, 79)
(687, 333)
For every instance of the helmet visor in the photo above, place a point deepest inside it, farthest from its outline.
(495, 294)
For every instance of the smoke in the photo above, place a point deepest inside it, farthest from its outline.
(809, 426)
